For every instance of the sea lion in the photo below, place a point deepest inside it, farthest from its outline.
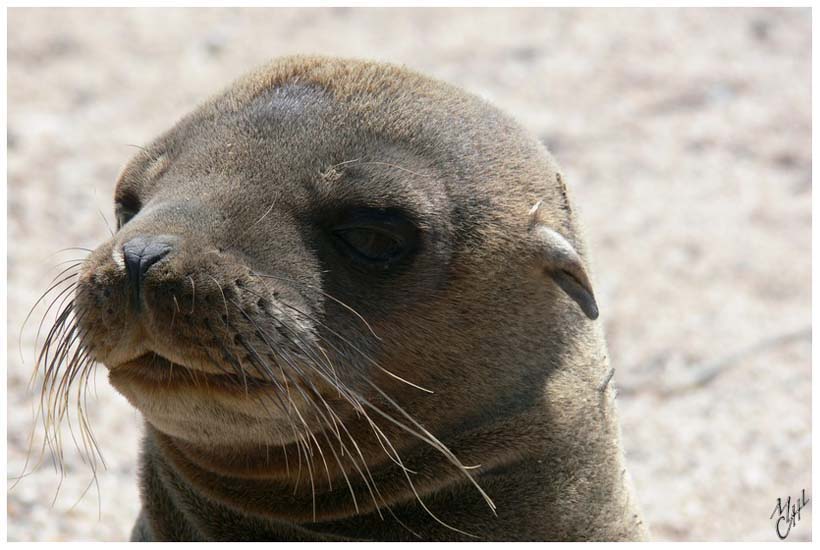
(352, 303)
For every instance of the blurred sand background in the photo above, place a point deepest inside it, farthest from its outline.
(686, 139)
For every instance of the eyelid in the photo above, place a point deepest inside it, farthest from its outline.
(127, 201)
(123, 214)
(382, 226)
(376, 217)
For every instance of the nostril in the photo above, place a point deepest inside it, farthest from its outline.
(140, 253)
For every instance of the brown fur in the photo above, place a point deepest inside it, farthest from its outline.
(323, 403)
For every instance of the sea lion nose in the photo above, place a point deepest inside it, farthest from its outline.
(140, 253)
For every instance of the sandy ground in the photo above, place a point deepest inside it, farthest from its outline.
(686, 139)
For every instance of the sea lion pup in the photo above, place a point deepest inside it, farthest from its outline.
(351, 303)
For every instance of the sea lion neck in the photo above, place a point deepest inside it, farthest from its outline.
(321, 509)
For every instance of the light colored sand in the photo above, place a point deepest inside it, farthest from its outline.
(685, 136)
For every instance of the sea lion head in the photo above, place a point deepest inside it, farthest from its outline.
(327, 239)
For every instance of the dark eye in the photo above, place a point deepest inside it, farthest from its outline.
(377, 237)
(371, 243)
(127, 206)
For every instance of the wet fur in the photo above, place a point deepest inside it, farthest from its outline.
(462, 397)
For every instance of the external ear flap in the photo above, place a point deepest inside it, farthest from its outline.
(564, 265)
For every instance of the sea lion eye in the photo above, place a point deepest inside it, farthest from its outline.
(371, 243)
(126, 208)
(376, 236)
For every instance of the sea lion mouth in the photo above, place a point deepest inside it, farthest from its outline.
(154, 370)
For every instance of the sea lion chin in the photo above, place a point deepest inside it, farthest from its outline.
(352, 303)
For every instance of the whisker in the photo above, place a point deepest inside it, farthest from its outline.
(296, 409)
(395, 457)
(105, 220)
(254, 224)
(223, 298)
(261, 333)
(325, 294)
(38, 302)
(369, 359)
(193, 295)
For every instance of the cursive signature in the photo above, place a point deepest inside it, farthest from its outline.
(788, 514)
